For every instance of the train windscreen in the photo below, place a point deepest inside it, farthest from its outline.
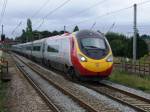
(93, 43)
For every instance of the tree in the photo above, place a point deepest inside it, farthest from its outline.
(76, 29)
(61, 32)
(145, 37)
(142, 48)
(23, 36)
(55, 33)
(147, 40)
(122, 46)
(45, 34)
(29, 30)
(118, 43)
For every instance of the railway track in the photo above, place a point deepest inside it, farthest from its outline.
(38, 89)
(126, 98)
(138, 103)
(58, 86)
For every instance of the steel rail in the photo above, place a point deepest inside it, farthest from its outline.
(59, 87)
(37, 88)
(138, 103)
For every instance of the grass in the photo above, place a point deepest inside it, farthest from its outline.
(3, 89)
(131, 80)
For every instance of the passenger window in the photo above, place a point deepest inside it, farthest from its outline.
(53, 48)
(36, 48)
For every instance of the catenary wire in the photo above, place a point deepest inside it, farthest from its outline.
(16, 27)
(42, 6)
(3, 10)
(110, 13)
(51, 12)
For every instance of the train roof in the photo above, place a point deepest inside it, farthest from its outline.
(89, 33)
(59, 36)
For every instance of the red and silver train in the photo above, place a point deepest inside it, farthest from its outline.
(83, 54)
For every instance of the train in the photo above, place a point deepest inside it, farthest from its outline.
(84, 54)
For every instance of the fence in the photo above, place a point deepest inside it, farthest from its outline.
(4, 76)
(137, 68)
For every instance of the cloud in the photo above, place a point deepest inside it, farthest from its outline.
(73, 13)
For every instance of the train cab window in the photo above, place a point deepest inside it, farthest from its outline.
(53, 48)
(93, 43)
(36, 48)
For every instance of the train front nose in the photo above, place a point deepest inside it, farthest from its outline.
(93, 54)
(97, 67)
(95, 57)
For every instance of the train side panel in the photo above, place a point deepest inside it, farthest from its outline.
(37, 49)
(57, 52)
(65, 51)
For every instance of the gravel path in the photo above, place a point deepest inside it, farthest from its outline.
(21, 95)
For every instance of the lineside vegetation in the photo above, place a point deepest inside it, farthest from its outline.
(3, 90)
(131, 80)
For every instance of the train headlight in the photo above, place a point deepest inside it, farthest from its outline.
(110, 58)
(82, 58)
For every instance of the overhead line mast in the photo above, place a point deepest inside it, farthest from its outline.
(135, 33)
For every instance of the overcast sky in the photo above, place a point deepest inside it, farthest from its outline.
(83, 13)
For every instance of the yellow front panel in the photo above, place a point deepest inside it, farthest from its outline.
(96, 65)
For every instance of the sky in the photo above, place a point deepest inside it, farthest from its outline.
(103, 15)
